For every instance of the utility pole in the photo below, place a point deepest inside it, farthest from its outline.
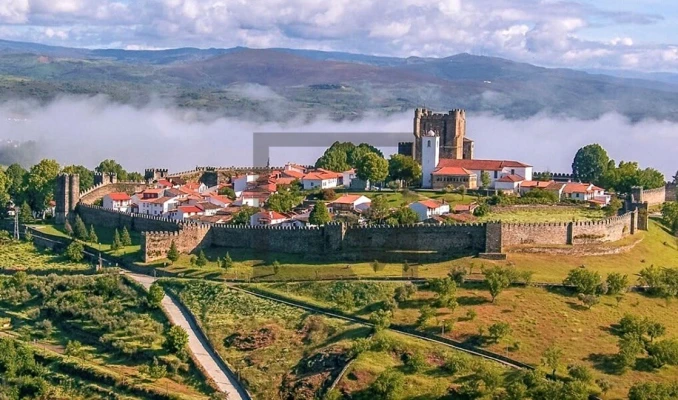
(16, 223)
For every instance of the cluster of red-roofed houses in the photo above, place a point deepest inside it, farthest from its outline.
(176, 199)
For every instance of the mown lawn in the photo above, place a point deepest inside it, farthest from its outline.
(529, 214)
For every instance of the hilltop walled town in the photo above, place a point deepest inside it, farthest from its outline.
(339, 208)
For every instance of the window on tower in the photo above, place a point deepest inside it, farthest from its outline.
(428, 143)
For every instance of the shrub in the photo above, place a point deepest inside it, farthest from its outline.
(664, 352)
(499, 330)
(388, 385)
(92, 237)
(584, 281)
(75, 252)
(227, 262)
(381, 319)
(471, 314)
(201, 261)
(79, 229)
(176, 339)
(425, 314)
(482, 210)
(653, 391)
(328, 194)
(580, 373)
(173, 253)
(155, 295)
(377, 266)
(415, 362)
(125, 238)
(589, 300)
(617, 283)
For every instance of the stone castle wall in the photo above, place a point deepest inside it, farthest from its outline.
(449, 239)
(671, 189)
(654, 197)
(569, 233)
(95, 193)
(95, 215)
(156, 244)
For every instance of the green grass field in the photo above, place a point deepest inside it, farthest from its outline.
(540, 214)
(272, 347)
(539, 318)
(24, 256)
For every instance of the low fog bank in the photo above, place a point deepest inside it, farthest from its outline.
(86, 131)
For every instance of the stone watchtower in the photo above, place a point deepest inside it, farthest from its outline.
(105, 178)
(451, 128)
(154, 174)
(66, 196)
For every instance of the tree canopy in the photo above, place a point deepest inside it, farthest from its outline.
(342, 156)
(590, 163)
(372, 167)
(319, 215)
(404, 168)
(40, 182)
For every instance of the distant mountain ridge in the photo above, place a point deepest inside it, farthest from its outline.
(342, 85)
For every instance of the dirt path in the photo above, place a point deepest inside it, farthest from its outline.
(198, 345)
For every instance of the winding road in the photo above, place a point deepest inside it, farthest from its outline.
(197, 343)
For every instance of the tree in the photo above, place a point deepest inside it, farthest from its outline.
(589, 300)
(663, 353)
(176, 339)
(655, 330)
(242, 217)
(333, 160)
(590, 163)
(276, 267)
(425, 314)
(551, 359)
(173, 253)
(379, 209)
(75, 252)
(404, 168)
(653, 391)
(485, 180)
(388, 385)
(155, 295)
(613, 208)
(79, 229)
(402, 293)
(446, 290)
(319, 215)
(372, 167)
(227, 191)
(73, 348)
(201, 261)
(117, 243)
(670, 215)
(497, 279)
(629, 347)
(16, 176)
(406, 216)
(40, 183)
(227, 262)
(499, 330)
(93, 238)
(617, 283)
(4, 192)
(580, 373)
(381, 319)
(86, 175)
(26, 214)
(125, 238)
(284, 201)
(584, 280)
(416, 361)
(111, 166)
(328, 194)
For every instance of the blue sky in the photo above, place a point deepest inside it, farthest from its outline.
(634, 35)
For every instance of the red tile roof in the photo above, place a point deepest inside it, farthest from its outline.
(293, 173)
(459, 171)
(190, 209)
(154, 191)
(270, 215)
(161, 200)
(118, 196)
(580, 188)
(430, 204)
(481, 165)
(536, 184)
(320, 176)
(221, 198)
(511, 178)
(347, 199)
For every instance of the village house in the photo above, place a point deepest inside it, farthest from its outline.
(585, 192)
(440, 172)
(157, 206)
(118, 201)
(267, 218)
(252, 199)
(509, 183)
(219, 200)
(454, 176)
(319, 180)
(240, 183)
(184, 212)
(527, 186)
(426, 209)
(350, 203)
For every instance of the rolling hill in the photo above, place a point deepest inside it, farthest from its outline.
(342, 85)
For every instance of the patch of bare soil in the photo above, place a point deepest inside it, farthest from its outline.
(258, 339)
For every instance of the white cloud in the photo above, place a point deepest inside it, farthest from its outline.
(552, 33)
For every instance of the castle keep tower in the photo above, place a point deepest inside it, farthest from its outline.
(66, 196)
(451, 128)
